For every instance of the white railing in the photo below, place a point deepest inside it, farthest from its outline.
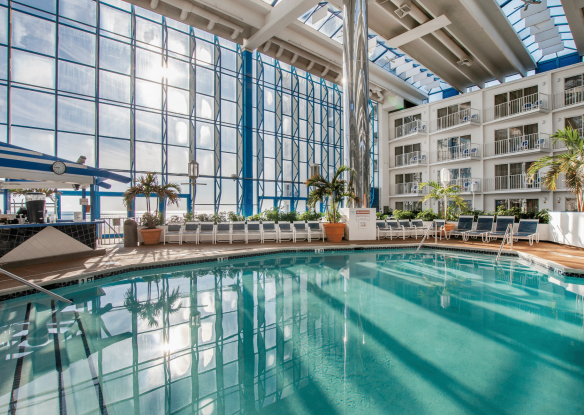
(462, 117)
(533, 102)
(560, 145)
(417, 126)
(412, 188)
(467, 184)
(512, 182)
(410, 159)
(568, 97)
(538, 141)
(111, 232)
(459, 152)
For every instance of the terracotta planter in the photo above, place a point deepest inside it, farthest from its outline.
(334, 231)
(448, 227)
(151, 236)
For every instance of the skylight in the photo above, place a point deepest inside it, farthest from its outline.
(543, 28)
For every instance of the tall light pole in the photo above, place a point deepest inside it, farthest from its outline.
(445, 179)
(193, 169)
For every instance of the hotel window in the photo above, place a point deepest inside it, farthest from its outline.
(571, 204)
(513, 102)
(459, 176)
(399, 205)
(404, 126)
(509, 140)
(452, 148)
(526, 205)
(453, 114)
(573, 90)
(412, 206)
(574, 122)
(408, 178)
(403, 151)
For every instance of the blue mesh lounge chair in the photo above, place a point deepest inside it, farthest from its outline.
(238, 232)
(315, 231)
(418, 227)
(465, 224)
(500, 227)
(191, 230)
(223, 232)
(300, 230)
(484, 226)
(269, 231)
(285, 232)
(207, 229)
(406, 224)
(394, 228)
(173, 233)
(381, 229)
(527, 229)
(254, 231)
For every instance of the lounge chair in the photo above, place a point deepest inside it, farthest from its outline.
(285, 232)
(173, 232)
(269, 231)
(381, 229)
(315, 231)
(207, 229)
(500, 227)
(254, 231)
(300, 230)
(407, 225)
(527, 229)
(418, 226)
(394, 228)
(238, 232)
(191, 229)
(484, 226)
(464, 225)
(223, 232)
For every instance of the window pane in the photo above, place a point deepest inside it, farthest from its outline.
(79, 10)
(4, 25)
(114, 154)
(178, 131)
(31, 69)
(178, 159)
(114, 56)
(229, 139)
(75, 115)
(76, 45)
(32, 109)
(77, 79)
(46, 5)
(148, 94)
(37, 140)
(71, 146)
(205, 81)
(148, 65)
(178, 73)
(114, 86)
(33, 33)
(148, 157)
(148, 126)
(115, 21)
(148, 32)
(114, 121)
(178, 42)
(205, 107)
(205, 138)
(204, 53)
(228, 87)
(178, 101)
(206, 163)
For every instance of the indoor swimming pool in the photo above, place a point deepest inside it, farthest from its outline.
(347, 332)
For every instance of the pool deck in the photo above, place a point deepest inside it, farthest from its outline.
(567, 258)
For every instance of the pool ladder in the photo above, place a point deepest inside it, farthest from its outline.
(426, 235)
(36, 287)
(508, 236)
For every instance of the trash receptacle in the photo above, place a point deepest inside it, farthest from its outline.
(130, 233)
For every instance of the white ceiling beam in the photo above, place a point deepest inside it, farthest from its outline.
(420, 76)
(418, 32)
(573, 10)
(281, 16)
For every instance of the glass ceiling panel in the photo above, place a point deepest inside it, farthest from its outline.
(392, 60)
(545, 36)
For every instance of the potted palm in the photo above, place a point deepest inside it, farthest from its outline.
(570, 164)
(332, 193)
(148, 186)
(444, 193)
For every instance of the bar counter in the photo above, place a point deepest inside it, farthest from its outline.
(36, 243)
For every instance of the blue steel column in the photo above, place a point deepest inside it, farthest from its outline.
(324, 141)
(94, 190)
(247, 128)
(193, 112)
(372, 181)
(260, 132)
(131, 210)
(240, 119)
(217, 122)
(162, 204)
(337, 125)
(295, 141)
(279, 137)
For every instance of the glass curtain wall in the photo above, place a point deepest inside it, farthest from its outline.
(136, 92)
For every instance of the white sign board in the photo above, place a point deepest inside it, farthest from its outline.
(84, 201)
(363, 215)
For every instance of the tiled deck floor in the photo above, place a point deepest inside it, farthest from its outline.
(118, 256)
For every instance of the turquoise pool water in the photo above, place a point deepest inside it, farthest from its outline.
(365, 332)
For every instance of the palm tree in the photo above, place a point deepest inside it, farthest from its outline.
(147, 186)
(331, 192)
(444, 193)
(570, 163)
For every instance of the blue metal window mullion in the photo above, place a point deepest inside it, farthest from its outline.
(94, 191)
(192, 112)
(240, 139)
(217, 123)
(279, 136)
(324, 159)
(131, 210)
(162, 204)
(260, 132)
(248, 133)
(295, 141)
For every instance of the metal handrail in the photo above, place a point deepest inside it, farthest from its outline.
(510, 226)
(36, 287)
(424, 238)
(113, 229)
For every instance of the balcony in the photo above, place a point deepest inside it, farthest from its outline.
(409, 189)
(570, 98)
(465, 151)
(512, 183)
(460, 119)
(520, 107)
(517, 146)
(467, 184)
(412, 129)
(414, 158)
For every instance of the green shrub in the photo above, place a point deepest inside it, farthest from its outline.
(405, 214)
(310, 215)
(428, 215)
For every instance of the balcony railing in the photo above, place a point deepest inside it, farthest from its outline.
(410, 159)
(529, 103)
(529, 142)
(414, 127)
(560, 145)
(512, 182)
(412, 188)
(460, 118)
(568, 97)
(459, 152)
(467, 184)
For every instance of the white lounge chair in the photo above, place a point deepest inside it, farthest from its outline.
(269, 231)
(207, 229)
(285, 232)
(223, 232)
(300, 231)
(254, 231)
(173, 233)
(381, 226)
(315, 231)
(238, 232)
(191, 230)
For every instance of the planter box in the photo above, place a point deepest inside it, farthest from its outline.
(141, 240)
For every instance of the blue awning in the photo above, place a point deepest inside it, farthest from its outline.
(17, 163)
